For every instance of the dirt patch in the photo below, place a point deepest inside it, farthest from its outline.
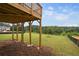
(15, 48)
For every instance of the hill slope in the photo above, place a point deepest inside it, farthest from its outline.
(61, 45)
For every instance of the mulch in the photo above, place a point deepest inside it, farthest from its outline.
(15, 48)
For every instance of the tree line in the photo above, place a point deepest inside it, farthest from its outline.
(54, 30)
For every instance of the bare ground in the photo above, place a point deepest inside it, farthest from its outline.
(15, 48)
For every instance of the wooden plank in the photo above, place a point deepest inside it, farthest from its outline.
(15, 18)
(20, 7)
(28, 10)
(36, 15)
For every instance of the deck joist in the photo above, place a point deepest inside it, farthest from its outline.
(15, 12)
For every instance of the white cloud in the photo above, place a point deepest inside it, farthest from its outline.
(48, 13)
(74, 13)
(66, 15)
(50, 8)
(59, 7)
(55, 15)
(69, 25)
(76, 25)
(64, 10)
(26, 24)
(61, 17)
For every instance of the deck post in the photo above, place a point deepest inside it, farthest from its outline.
(40, 32)
(22, 32)
(17, 32)
(12, 31)
(30, 25)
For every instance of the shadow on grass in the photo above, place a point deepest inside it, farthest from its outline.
(74, 40)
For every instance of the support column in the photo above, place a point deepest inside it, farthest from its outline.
(30, 26)
(12, 31)
(40, 32)
(17, 32)
(22, 32)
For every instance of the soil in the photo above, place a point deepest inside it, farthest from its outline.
(15, 48)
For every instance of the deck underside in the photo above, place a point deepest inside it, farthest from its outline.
(11, 14)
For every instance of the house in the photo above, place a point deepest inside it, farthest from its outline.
(4, 27)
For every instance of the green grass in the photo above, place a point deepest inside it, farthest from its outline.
(61, 45)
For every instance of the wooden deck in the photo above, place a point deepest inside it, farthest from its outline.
(20, 12)
(76, 37)
(16, 13)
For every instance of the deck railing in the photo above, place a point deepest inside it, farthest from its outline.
(36, 8)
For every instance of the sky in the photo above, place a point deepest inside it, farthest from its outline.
(60, 14)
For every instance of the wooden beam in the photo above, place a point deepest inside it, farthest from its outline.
(13, 15)
(22, 32)
(30, 26)
(10, 9)
(17, 18)
(12, 31)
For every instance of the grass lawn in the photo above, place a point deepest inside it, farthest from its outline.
(61, 44)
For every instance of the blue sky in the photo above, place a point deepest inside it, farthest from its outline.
(60, 14)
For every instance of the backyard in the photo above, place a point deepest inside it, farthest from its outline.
(61, 45)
